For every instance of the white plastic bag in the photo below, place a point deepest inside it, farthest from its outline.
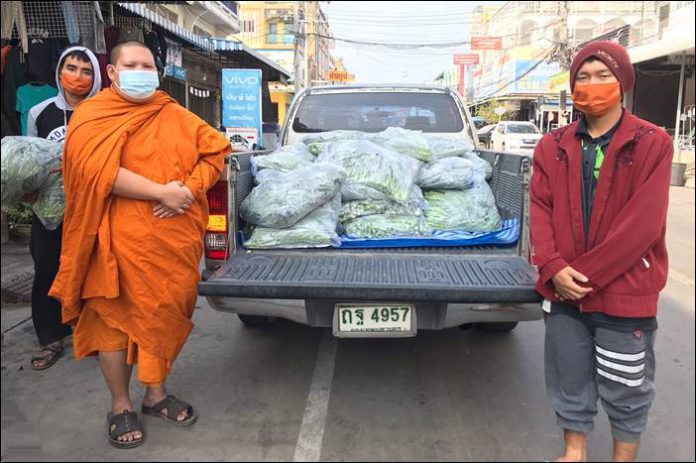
(373, 166)
(316, 230)
(292, 195)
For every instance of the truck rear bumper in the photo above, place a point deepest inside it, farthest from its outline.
(431, 316)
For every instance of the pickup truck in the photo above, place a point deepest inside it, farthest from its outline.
(491, 286)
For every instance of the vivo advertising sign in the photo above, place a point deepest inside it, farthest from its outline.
(241, 106)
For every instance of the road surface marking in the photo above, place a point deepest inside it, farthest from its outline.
(311, 435)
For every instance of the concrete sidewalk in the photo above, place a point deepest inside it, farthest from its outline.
(17, 273)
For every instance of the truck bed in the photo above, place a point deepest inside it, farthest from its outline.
(462, 274)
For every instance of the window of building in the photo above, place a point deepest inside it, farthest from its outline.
(202, 32)
(249, 25)
(164, 12)
(273, 33)
(525, 34)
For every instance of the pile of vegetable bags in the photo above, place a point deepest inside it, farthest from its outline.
(392, 184)
(31, 167)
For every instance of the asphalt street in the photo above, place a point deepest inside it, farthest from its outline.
(291, 392)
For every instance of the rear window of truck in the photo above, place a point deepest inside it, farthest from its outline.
(376, 111)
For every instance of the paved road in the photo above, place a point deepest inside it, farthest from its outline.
(291, 392)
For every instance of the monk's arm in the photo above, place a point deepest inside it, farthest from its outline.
(131, 185)
(202, 177)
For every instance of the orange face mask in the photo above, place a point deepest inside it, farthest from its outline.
(596, 99)
(77, 85)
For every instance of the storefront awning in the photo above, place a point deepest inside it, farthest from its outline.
(245, 54)
(140, 10)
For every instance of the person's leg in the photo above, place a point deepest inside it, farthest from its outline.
(153, 372)
(117, 373)
(158, 392)
(45, 247)
(570, 381)
(625, 380)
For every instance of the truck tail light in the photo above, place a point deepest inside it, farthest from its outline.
(217, 233)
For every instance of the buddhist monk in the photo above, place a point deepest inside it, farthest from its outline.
(136, 167)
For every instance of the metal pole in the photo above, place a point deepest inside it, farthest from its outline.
(677, 125)
(296, 21)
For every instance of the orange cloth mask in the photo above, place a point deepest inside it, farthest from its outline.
(596, 99)
(77, 85)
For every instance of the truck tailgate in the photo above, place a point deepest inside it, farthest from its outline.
(343, 275)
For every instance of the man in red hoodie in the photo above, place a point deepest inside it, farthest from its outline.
(599, 196)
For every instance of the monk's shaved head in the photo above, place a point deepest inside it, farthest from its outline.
(118, 50)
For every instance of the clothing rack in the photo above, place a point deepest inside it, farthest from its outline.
(53, 19)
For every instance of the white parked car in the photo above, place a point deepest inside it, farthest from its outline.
(515, 136)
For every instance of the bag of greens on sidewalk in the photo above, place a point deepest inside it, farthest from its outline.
(409, 142)
(292, 195)
(32, 166)
(316, 143)
(316, 230)
(447, 174)
(370, 165)
(384, 225)
(471, 210)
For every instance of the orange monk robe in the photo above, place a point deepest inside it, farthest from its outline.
(127, 279)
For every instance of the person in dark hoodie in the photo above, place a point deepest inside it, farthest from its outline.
(77, 78)
(598, 207)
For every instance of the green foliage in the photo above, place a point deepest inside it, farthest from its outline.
(487, 111)
(18, 215)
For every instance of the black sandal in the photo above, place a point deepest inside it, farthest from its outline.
(123, 423)
(51, 354)
(174, 407)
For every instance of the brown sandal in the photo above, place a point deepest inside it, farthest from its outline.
(174, 407)
(123, 423)
(50, 354)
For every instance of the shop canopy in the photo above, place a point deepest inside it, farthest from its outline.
(244, 56)
(239, 54)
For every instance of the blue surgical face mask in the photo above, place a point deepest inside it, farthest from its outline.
(138, 84)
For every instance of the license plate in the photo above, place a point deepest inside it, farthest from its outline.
(374, 320)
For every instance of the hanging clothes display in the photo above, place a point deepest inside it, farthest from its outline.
(29, 95)
(15, 76)
(13, 16)
(71, 25)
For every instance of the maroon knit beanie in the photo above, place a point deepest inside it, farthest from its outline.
(610, 53)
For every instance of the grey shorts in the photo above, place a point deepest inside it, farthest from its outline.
(585, 362)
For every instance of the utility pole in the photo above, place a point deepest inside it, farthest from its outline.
(299, 35)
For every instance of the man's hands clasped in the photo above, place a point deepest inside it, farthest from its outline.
(567, 287)
(174, 199)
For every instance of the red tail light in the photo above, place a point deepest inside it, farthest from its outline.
(217, 232)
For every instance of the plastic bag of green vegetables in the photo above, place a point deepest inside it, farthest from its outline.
(409, 142)
(354, 209)
(285, 159)
(447, 174)
(358, 192)
(316, 230)
(471, 210)
(292, 195)
(265, 175)
(317, 142)
(368, 164)
(449, 147)
(384, 225)
(32, 165)
(483, 170)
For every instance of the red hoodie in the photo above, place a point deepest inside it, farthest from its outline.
(626, 255)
